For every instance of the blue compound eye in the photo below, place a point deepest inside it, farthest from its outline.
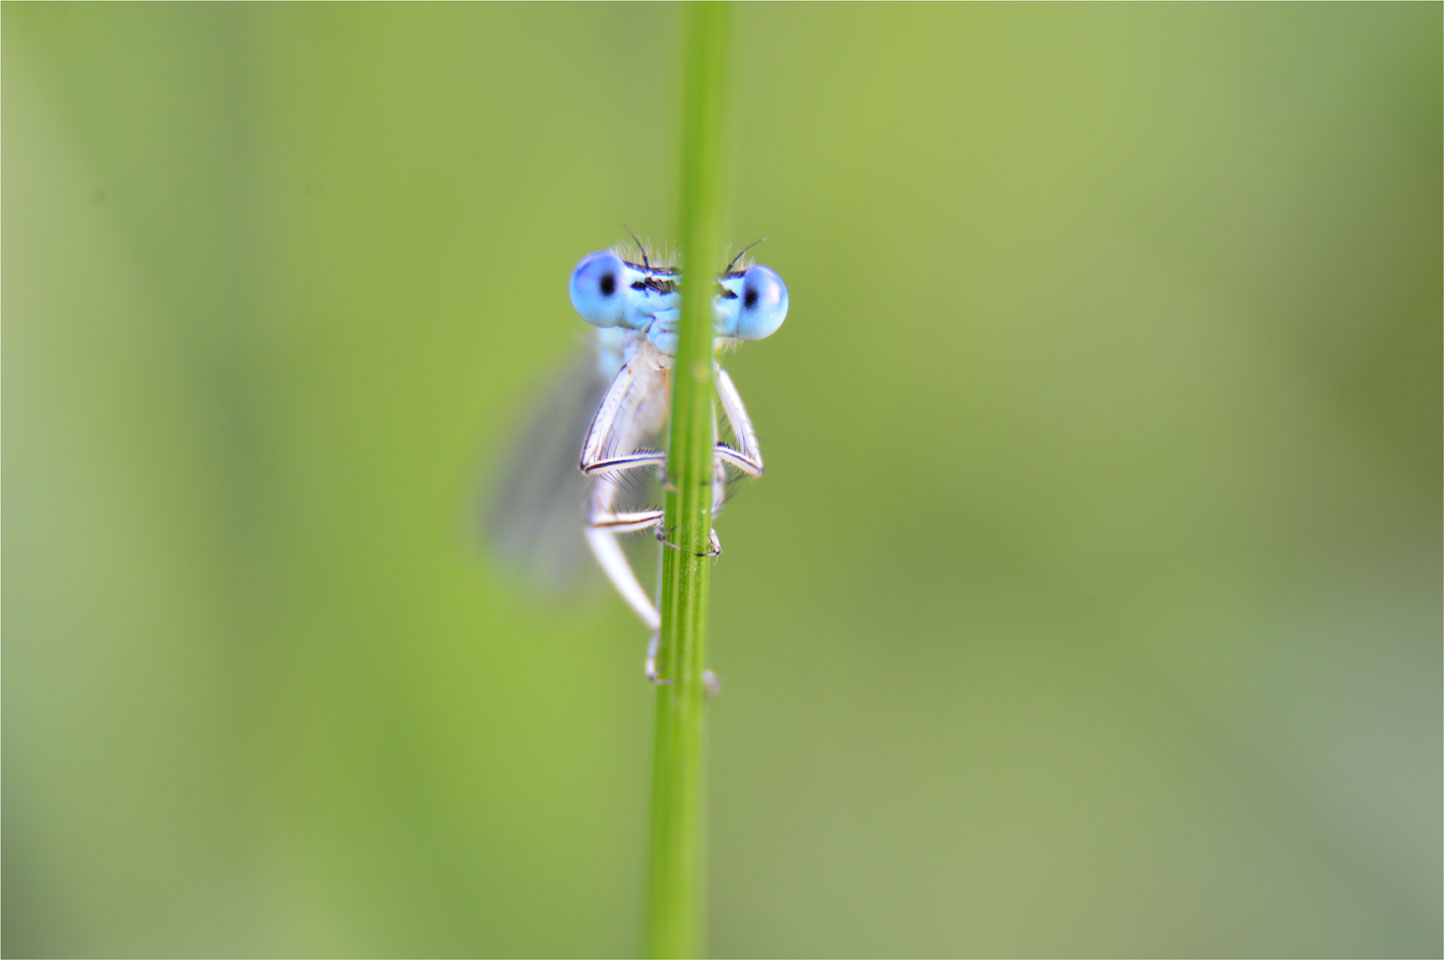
(599, 289)
(763, 304)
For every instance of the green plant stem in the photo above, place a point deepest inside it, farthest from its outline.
(676, 860)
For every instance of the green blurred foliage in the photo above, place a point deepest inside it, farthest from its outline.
(1091, 604)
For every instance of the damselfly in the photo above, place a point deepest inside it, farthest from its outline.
(636, 308)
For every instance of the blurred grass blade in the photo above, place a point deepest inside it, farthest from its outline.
(676, 863)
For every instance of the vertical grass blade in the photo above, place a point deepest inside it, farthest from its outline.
(676, 855)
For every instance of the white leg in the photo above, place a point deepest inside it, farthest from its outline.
(714, 547)
(625, 521)
(603, 525)
(748, 456)
(604, 522)
(709, 679)
(719, 497)
(602, 431)
(614, 564)
(719, 475)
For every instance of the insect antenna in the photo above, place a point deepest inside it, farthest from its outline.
(733, 263)
(638, 241)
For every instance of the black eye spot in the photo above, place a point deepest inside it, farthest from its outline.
(608, 284)
(749, 297)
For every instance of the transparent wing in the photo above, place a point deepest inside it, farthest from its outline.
(532, 499)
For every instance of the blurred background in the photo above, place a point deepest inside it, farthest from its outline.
(1090, 605)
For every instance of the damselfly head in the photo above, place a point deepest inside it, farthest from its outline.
(750, 302)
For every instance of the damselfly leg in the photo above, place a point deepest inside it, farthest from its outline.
(605, 454)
